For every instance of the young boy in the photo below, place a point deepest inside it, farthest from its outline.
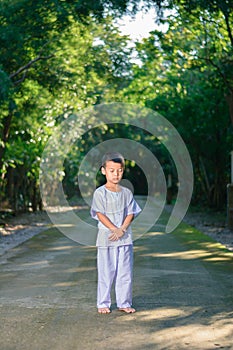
(114, 207)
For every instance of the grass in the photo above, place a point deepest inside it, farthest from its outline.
(204, 247)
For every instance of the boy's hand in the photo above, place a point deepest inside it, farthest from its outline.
(117, 233)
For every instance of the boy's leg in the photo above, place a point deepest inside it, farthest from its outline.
(106, 264)
(123, 286)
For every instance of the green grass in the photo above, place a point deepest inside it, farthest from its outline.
(204, 247)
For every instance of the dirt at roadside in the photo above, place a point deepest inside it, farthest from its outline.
(18, 229)
(213, 224)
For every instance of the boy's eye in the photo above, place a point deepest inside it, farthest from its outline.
(118, 170)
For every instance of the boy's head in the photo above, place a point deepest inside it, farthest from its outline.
(115, 157)
(112, 167)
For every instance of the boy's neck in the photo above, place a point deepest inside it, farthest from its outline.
(112, 187)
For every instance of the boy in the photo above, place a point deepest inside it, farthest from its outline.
(114, 207)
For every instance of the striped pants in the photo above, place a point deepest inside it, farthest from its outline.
(115, 264)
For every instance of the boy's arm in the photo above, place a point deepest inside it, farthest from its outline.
(116, 232)
(129, 218)
(119, 232)
(105, 221)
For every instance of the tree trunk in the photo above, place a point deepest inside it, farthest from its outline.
(230, 104)
(5, 136)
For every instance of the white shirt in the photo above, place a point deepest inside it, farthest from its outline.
(116, 206)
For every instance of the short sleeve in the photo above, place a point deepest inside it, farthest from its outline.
(97, 204)
(133, 207)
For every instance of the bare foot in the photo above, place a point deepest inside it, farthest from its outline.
(104, 310)
(128, 310)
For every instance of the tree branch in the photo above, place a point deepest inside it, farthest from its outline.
(227, 20)
(220, 73)
(26, 67)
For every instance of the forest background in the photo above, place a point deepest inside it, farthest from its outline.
(60, 57)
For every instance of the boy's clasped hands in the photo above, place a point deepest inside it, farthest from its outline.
(117, 233)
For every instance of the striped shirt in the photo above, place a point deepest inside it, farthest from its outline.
(116, 206)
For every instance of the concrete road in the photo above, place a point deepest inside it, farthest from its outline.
(183, 297)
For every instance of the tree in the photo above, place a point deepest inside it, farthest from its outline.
(30, 34)
(175, 80)
(217, 14)
(62, 73)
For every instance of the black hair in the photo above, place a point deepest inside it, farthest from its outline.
(114, 157)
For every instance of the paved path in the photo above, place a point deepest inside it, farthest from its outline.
(183, 297)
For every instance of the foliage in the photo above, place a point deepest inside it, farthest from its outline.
(59, 57)
(55, 65)
(133, 172)
(177, 79)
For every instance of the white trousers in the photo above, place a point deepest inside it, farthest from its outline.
(115, 263)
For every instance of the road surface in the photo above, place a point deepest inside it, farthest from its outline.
(183, 297)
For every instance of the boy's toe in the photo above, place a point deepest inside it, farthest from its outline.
(104, 310)
(127, 310)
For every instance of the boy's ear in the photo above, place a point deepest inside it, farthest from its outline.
(103, 170)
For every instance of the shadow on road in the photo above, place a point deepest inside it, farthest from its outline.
(182, 293)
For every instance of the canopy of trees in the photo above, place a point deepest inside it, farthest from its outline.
(59, 57)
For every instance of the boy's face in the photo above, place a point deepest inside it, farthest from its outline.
(113, 172)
